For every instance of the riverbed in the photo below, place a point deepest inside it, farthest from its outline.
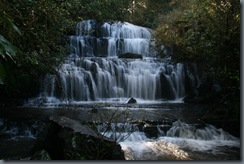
(181, 141)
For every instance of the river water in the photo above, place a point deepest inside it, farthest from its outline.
(157, 131)
(172, 132)
(208, 143)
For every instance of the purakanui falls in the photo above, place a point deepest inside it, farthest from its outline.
(112, 63)
(98, 69)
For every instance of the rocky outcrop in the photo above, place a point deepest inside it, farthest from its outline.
(209, 91)
(130, 56)
(68, 139)
(154, 129)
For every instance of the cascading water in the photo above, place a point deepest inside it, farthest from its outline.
(93, 71)
(181, 141)
(110, 39)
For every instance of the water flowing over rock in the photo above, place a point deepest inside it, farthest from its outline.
(110, 39)
(94, 72)
(115, 61)
(131, 100)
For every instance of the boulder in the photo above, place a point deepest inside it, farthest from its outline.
(150, 131)
(74, 125)
(68, 139)
(130, 56)
(131, 101)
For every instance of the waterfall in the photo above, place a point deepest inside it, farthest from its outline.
(110, 39)
(93, 71)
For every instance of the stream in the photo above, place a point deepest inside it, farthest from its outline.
(170, 131)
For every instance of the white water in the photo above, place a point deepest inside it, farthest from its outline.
(118, 37)
(97, 78)
(93, 71)
(169, 148)
(181, 142)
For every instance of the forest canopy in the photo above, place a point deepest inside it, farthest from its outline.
(208, 33)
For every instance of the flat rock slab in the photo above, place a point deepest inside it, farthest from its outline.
(74, 125)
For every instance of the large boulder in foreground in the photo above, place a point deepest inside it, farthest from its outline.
(130, 56)
(68, 139)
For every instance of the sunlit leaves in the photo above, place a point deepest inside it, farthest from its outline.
(206, 32)
(6, 49)
(5, 20)
(148, 12)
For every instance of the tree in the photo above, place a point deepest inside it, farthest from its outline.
(208, 33)
(42, 47)
(147, 12)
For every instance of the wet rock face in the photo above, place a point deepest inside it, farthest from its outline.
(208, 91)
(67, 139)
(130, 56)
(150, 131)
(154, 129)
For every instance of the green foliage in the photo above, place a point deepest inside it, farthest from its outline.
(105, 9)
(206, 32)
(38, 47)
(2, 74)
(148, 12)
(7, 50)
(42, 45)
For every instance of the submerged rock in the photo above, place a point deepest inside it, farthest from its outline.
(150, 131)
